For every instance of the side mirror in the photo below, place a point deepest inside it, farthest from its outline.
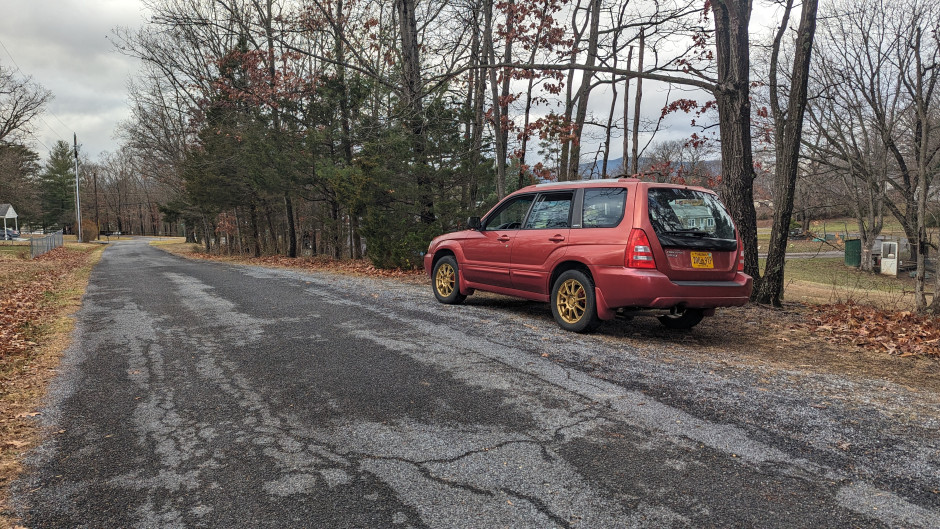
(474, 223)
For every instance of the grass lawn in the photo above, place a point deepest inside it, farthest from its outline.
(829, 280)
(14, 251)
(833, 271)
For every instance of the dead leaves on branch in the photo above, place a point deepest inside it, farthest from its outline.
(896, 333)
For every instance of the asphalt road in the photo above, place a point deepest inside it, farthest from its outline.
(202, 394)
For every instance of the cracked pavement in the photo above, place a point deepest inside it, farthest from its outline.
(205, 394)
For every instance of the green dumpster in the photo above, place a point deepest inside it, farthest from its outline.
(853, 252)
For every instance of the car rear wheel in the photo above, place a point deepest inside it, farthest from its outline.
(573, 302)
(682, 318)
(447, 281)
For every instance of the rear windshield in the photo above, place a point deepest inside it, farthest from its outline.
(686, 218)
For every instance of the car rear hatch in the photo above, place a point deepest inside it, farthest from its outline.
(695, 232)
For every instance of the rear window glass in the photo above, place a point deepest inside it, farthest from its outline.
(690, 218)
(603, 207)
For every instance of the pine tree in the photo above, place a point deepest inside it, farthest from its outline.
(57, 192)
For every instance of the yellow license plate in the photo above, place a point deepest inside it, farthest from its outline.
(702, 260)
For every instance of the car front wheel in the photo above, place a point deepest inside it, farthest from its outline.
(574, 303)
(447, 281)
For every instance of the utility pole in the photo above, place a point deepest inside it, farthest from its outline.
(97, 224)
(78, 202)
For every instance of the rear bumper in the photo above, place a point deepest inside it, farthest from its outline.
(627, 287)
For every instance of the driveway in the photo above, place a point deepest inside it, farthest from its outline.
(204, 394)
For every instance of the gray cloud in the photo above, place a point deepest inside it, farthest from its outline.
(64, 46)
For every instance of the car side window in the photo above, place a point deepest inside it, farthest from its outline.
(551, 210)
(603, 207)
(510, 215)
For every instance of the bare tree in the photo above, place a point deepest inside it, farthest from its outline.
(882, 60)
(21, 101)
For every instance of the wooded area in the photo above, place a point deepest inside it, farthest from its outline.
(355, 128)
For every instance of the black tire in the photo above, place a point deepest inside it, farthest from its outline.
(445, 281)
(573, 302)
(682, 319)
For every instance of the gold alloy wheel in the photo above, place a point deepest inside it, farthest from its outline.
(571, 301)
(445, 280)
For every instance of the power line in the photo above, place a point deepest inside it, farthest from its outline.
(11, 56)
(20, 70)
(36, 137)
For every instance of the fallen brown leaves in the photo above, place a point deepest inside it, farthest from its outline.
(22, 305)
(353, 267)
(359, 267)
(896, 333)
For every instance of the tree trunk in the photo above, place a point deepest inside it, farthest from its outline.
(291, 226)
(610, 122)
(414, 103)
(565, 154)
(255, 229)
(476, 135)
(625, 158)
(584, 93)
(335, 229)
(732, 95)
(788, 128)
(635, 155)
(498, 117)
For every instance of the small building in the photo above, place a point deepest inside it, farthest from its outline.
(694, 215)
(7, 212)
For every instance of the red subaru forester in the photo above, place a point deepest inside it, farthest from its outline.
(596, 248)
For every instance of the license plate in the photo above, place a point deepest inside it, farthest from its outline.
(702, 260)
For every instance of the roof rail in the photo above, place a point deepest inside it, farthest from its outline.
(595, 180)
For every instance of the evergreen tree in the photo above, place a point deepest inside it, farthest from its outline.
(57, 188)
(19, 168)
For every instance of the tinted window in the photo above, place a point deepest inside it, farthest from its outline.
(551, 210)
(510, 215)
(603, 207)
(689, 218)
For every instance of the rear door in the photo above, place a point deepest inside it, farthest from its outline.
(695, 232)
(542, 241)
(487, 252)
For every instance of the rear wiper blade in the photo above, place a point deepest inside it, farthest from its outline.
(689, 233)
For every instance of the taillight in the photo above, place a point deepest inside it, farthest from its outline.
(639, 252)
(740, 258)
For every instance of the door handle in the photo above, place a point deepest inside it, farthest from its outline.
(503, 238)
(557, 238)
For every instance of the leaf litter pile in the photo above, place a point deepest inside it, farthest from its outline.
(895, 333)
(23, 305)
(359, 267)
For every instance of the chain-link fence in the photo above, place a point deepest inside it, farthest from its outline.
(41, 245)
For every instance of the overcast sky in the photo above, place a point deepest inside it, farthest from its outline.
(64, 45)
